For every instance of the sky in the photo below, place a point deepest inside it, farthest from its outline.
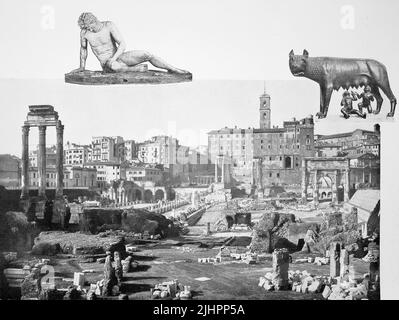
(224, 39)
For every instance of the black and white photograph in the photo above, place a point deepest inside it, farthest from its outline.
(212, 151)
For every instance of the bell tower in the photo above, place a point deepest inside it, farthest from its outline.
(264, 110)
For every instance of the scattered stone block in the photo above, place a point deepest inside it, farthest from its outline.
(79, 279)
(304, 287)
(46, 249)
(315, 286)
(268, 286)
(30, 287)
(126, 264)
(262, 281)
(100, 260)
(326, 292)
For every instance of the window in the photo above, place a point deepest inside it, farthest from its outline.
(288, 163)
(270, 174)
(278, 175)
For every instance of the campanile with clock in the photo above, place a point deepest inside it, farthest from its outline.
(264, 111)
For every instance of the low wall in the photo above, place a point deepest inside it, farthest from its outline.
(195, 216)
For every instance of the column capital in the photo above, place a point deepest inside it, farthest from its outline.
(25, 129)
(42, 129)
(59, 126)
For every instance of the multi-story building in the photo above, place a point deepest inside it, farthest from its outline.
(364, 171)
(274, 153)
(130, 150)
(50, 157)
(182, 155)
(362, 140)
(159, 150)
(74, 177)
(105, 149)
(75, 154)
(10, 171)
(108, 172)
(142, 173)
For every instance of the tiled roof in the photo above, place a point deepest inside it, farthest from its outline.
(365, 200)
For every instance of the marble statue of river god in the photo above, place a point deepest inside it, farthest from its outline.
(335, 73)
(118, 66)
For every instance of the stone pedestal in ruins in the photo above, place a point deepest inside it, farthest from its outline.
(344, 262)
(335, 253)
(59, 210)
(109, 276)
(118, 267)
(281, 264)
(374, 258)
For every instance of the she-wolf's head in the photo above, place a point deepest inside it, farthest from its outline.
(298, 63)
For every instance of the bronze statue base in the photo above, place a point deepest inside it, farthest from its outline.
(147, 77)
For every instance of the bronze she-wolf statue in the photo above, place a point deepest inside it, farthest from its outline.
(335, 73)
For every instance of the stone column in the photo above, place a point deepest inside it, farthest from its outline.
(222, 170)
(216, 169)
(335, 250)
(281, 264)
(60, 160)
(304, 183)
(41, 161)
(121, 197)
(315, 188)
(25, 163)
(335, 188)
(347, 185)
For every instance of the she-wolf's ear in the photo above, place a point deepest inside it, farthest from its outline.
(291, 53)
(305, 53)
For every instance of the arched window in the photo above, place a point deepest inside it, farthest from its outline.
(288, 163)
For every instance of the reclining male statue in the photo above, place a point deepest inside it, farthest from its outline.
(108, 46)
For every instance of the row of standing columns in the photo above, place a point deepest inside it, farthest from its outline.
(204, 180)
(41, 163)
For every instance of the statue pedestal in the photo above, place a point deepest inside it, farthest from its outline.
(134, 77)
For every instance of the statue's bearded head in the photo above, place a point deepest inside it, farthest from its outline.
(298, 63)
(88, 21)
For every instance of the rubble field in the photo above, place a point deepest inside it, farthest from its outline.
(169, 260)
